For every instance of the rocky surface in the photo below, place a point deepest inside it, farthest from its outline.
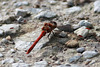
(74, 43)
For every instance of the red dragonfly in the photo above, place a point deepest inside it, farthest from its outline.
(47, 28)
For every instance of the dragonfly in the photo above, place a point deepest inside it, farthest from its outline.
(47, 28)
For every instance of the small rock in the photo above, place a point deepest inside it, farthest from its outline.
(97, 30)
(63, 66)
(82, 32)
(2, 49)
(8, 19)
(97, 6)
(92, 62)
(40, 64)
(4, 3)
(11, 51)
(89, 54)
(74, 58)
(85, 23)
(55, 58)
(34, 10)
(4, 40)
(63, 34)
(72, 43)
(66, 28)
(20, 19)
(76, 65)
(72, 10)
(87, 61)
(21, 12)
(46, 14)
(22, 45)
(8, 38)
(80, 50)
(52, 2)
(70, 65)
(9, 28)
(20, 65)
(75, 26)
(1, 55)
(24, 3)
(8, 60)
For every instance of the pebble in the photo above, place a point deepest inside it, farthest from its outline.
(7, 19)
(80, 50)
(21, 12)
(20, 19)
(63, 34)
(82, 32)
(9, 28)
(85, 23)
(52, 2)
(89, 54)
(22, 45)
(46, 14)
(97, 30)
(7, 60)
(23, 3)
(8, 38)
(4, 3)
(20, 65)
(97, 6)
(1, 55)
(34, 10)
(74, 58)
(87, 61)
(70, 65)
(72, 10)
(11, 51)
(2, 49)
(72, 43)
(40, 64)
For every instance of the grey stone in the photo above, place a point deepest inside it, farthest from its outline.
(70, 65)
(63, 34)
(97, 6)
(25, 41)
(40, 64)
(20, 65)
(80, 50)
(97, 30)
(4, 3)
(20, 19)
(2, 49)
(34, 10)
(24, 3)
(11, 51)
(82, 31)
(85, 23)
(52, 2)
(1, 55)
(7, 60)
(72, 10)
(76, 65)
(74, 58)
(63, 66)
(89, 54)
(7, 19)
(22, 45)
(21, 12)
(9, 28)
(46, 14)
